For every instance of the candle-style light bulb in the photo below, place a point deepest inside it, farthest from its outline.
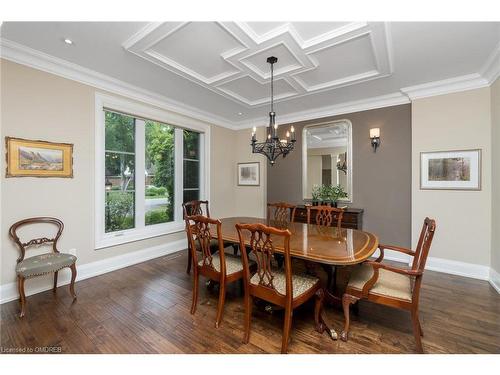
(293, 132)
(287, 134)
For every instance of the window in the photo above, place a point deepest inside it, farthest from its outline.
(191, 166)
(145, 168)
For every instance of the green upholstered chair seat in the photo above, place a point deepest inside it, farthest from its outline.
(44, 263)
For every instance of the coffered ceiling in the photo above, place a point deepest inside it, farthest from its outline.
(217, 71)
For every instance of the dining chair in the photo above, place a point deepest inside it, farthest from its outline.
(326, 216)
(219, 266)
(280, 287)
(281, 212)
(43, 264)
(390, 285)
(199, 207)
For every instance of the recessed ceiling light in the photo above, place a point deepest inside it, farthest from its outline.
(68, 41)
(240, 113)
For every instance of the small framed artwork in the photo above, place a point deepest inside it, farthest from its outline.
(451, 170)
(28, 158)
(249, 174)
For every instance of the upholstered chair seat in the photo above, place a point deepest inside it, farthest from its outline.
(300, 283)
(388, 284)
(233, 263)
(43, 264)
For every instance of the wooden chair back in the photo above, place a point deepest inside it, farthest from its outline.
(424, 244)
(324, 215)
(199, 229)
(36, 241)
(196, 207)
(281, 212)
(262, 247)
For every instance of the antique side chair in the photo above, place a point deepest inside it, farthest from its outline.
(219, 266)
(277, 286)
(281, 212)
(198, 207)
(326, 216)
(389, 285)
(42, 264)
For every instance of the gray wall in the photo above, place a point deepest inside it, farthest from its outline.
(381, 180)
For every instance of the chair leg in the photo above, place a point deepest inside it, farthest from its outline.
(220, 306)
(420, 328)
(195, 291)
(287, 325)
(416, 330)
(54, 289)
(248, 317)
(73, 278)
(347, 300)
(318, 308)
(22, 296)
(188, 270)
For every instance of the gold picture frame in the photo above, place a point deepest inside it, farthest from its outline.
(30, 158)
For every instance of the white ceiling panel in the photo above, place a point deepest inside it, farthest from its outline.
(310, 30)
(192, 47)
(340, 63)
(250, 90)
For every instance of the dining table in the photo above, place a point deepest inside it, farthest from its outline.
(326, 245)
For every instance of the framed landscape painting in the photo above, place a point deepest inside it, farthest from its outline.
(451, 170)
(248, 174)
(27, 158)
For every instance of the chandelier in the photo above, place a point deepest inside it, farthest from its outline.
(273, 146)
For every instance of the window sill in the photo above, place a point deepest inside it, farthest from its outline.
(133, 235)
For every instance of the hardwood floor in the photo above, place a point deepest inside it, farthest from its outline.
(145, 309)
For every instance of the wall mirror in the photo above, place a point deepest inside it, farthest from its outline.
(327, 157)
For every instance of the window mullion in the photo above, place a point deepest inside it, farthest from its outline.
(140, 166)
(179, 173)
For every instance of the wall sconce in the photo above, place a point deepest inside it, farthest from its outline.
(375, 137)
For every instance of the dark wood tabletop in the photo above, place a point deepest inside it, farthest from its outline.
(315, 243)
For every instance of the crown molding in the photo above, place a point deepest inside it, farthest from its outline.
(446, 86)
(389, 100)
(491, 69)
(21, 54)
(38, 60)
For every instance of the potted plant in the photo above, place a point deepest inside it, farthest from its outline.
(316, 193)
(335, 193)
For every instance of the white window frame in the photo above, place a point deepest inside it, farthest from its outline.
(143, 111)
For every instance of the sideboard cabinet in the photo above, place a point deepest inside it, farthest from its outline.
(352, 218)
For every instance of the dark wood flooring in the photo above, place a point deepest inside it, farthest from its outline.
(145, 309)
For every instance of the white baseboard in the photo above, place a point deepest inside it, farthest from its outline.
(453, 267)
(8, 292)
(474, 271)
(495, 279)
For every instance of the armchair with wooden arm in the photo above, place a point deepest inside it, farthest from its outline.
(391, 285)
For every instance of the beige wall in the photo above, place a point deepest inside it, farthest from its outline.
(495, 191)
(38, 105)
(454, 122)
(249, 200)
